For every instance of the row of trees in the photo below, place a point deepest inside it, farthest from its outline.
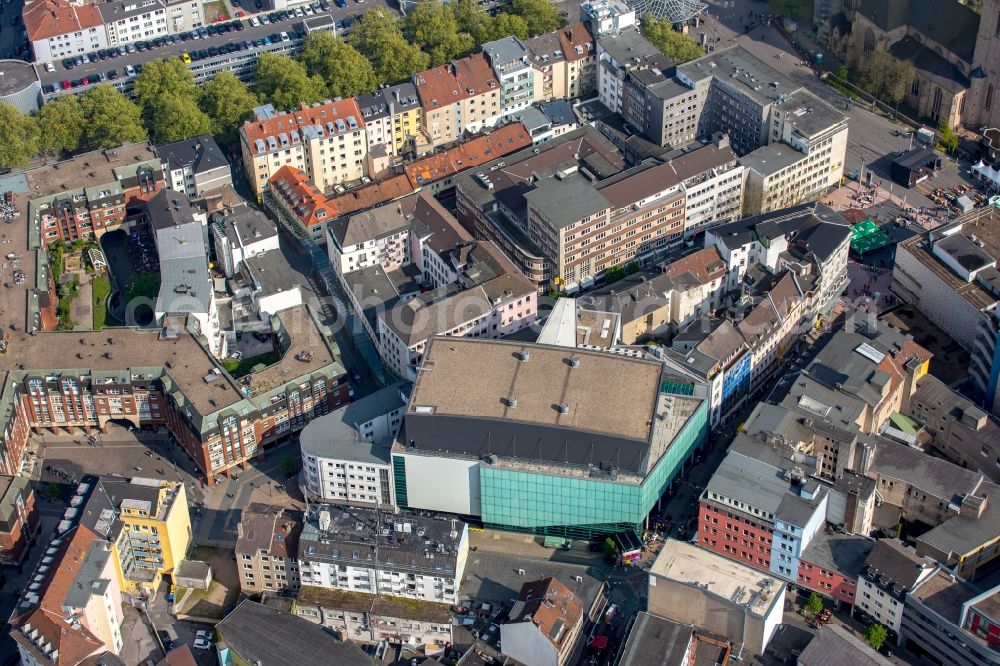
(384, 49)
(886, 77)
(167, 107)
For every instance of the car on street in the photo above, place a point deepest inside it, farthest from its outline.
(49, 67)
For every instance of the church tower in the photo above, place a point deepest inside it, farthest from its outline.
(982, 104)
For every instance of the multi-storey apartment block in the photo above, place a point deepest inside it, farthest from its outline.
(487, 299)
(267, 549)
(240, 233)
(18, 518)
(328, 141)
(132, 20)
(89, 194)
(195, 166)
(364, 550)
(457, 97)
(512, 64)
(891, 571)
(392, 117)
(564, 63)
(59, 28)
(345, 454)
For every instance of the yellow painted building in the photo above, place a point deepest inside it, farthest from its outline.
(152, 534)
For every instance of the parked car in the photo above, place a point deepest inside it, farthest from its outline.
(168, 643)
(202, 643)
(355, 376)
(129, 70)
(65, 84)
(204, 633)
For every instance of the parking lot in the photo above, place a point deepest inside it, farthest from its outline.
(13, 43)
(120, 64)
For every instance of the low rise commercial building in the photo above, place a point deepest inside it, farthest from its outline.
(267, 549)
(303, 643)
(345, 454)
(366, 550)
(545, 625)
(651, 637)
(691, 585)
(487, 299)
(195, 166)
(370, 618)
(809, 239)
(508, 454)
(834, 644)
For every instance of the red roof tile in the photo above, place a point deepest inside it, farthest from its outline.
(295, 121)
(307, 203)
(48, 18)
(479, 150)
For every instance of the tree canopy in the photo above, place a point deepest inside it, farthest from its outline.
(378, 37)
(797, 10)
(345, 71)
(18, 137)
(540, 15)
(177, 117)
(286, 84)
(885, 76)
(60, 125)
(228, 102)
(110, 118)
(675, 45)
(433, 27)
(875, 635)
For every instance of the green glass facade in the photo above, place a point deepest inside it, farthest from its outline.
(399, 476)
(580, 507)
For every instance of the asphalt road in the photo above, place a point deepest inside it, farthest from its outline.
(352, 10)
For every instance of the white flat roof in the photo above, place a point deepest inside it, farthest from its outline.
(740, 584)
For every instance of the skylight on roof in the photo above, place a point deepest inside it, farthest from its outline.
(869, 352)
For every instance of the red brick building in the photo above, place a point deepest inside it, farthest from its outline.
(18, 518)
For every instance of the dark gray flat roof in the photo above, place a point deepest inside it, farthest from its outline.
(17, 75)
(335, 435)
(656, 640)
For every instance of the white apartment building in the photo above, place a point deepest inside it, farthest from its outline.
(891, 571)
(184, 15)
(345, 454)
(327, 141)
(511, 62)
(58, 28)
(713, 181)
(376, 237)
(239, 234)
(418, 557)
(132, 20)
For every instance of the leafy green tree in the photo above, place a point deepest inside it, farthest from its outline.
(18, 137)
(815, 604)
(53, 491)
(288, 466)
(286, 84)
(471, 19)
(885, 76)
(675, 45)
(433, 27)
(110, 118)
(541, 15)
(60, 125)
(228, 102)
(875, 635)
(177, 117)
(797, 10)
(346, 72)
(159, 79)
(379, 38)
(506, 24)
(948, 140)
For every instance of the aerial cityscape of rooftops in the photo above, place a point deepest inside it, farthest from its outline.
(500, 332)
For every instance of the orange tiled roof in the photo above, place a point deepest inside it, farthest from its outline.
(370, 195)
(48, 18)
(475, 76)
(439, 87)
(706, 265)
(294, 188)
(553, 608)
(480, 150)
(293, 123)
(47, 617)
(573, 36)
